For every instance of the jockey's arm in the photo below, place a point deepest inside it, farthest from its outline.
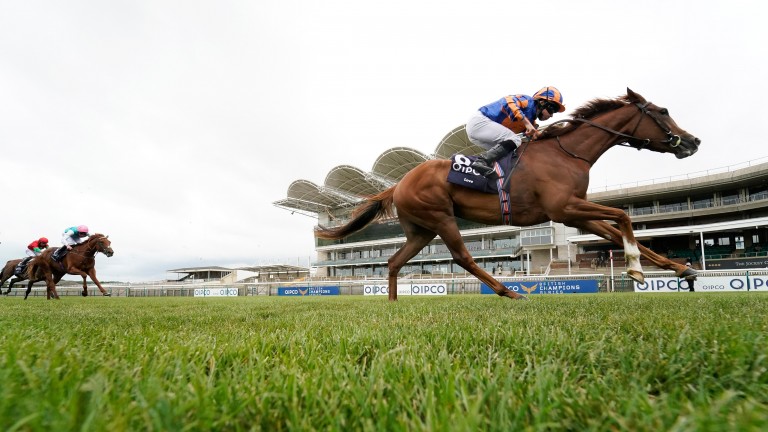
(530, 129)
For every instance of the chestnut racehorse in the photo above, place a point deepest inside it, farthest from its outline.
(79, 261)
(549, 182)
(7, 273)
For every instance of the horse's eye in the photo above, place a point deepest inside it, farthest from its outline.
(664, 111)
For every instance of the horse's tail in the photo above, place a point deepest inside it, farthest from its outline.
(375, 207)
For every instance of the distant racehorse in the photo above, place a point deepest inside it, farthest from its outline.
(549, 182)
(79, 261)
(7, 272)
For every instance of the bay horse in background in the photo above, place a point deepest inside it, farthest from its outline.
(81, 261)
(550, 182)
(8, 272)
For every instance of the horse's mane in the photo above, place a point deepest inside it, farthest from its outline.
(91, 238)
(588, 111)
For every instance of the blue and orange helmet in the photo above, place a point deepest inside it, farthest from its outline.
(551, 94)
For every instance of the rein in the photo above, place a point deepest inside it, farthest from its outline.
(85, 254)
(672, 139)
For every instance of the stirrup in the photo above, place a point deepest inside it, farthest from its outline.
(484, 170)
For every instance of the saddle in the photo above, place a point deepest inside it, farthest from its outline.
(462, 174)
(21, 268)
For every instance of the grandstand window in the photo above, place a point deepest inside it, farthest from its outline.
(474, 245)
(540, 236)
(730, 197)
(739, 242)
(673, 206)
(757, 193)
(755, 239)
(643, 209)
(507, 243)
(388, 252)
(704, 201)
(724, 241)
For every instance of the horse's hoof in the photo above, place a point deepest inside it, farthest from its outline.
(85, 294)
(689, 274)
(515, 296)
(636, 276)
(107, 294)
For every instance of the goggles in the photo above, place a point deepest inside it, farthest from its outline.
(552, 107)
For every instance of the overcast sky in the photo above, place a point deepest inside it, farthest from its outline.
(172, 126)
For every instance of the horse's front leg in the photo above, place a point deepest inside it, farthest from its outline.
(579, 212)
(85, 287)
(29, 289)
(608, 232)
(92, 275)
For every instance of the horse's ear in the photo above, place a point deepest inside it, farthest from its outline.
(634, 97)
(107, 236)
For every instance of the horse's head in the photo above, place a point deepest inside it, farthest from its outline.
(102, 244)
(657, 131)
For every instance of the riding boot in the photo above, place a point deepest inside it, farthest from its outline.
(59, 253)
(484, 162)
(21, 267)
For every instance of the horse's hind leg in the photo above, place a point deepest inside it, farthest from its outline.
(4, 278)
(452, 238)
(416, 238)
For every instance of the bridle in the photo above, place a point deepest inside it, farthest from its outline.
(631, 140)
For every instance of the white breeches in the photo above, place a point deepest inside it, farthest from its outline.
(486, 133)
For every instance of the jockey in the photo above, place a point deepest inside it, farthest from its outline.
(495, 126)
(36, 247)
(72, 236)
(33, 249)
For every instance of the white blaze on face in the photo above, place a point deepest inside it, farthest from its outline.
(632, 255)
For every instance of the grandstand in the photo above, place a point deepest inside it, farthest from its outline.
(717, 218)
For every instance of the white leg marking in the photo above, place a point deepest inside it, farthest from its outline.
(632, 255)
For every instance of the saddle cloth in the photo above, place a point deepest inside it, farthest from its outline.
(463, 175)
(21, 267)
